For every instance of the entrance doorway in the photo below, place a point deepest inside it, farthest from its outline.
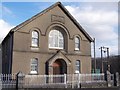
(59, 67)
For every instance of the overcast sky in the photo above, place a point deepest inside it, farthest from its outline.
(99, 19)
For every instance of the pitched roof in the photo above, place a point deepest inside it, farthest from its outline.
(46, 10)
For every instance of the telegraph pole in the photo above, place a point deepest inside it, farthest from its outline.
(107, 52)
(105, 49)
(101, 49)
(94, 57)
(101, 52)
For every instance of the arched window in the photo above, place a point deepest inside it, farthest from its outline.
(56, 39)
(35, 39)
(77, 43)
(34, 66)
(77, 66)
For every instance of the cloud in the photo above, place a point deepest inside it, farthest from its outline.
(99, 23)
(4, 29)
(7, 10)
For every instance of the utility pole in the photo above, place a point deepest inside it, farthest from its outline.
(107, 52)
(101, 52)
(94, 57)
(104, 49)
(101, 49)
(107, 49)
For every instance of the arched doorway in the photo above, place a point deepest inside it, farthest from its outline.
(59, 67)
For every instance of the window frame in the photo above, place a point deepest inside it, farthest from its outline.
(77, 43)
(53, 34)
(34, 66)
(33, 38)
(77, 66)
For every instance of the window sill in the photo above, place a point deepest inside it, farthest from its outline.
(33, 73)
(56, 48)
(34, 48)
(77, 72)
(77, 49)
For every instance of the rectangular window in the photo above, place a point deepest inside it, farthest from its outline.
(34, 66)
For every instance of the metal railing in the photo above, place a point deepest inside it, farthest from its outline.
(49, 81)
(7, 80)
(66, 80)
(44, 81)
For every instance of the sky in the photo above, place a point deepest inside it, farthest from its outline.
(99, 19)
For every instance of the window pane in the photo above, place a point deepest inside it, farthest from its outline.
(77, 62)
(34, 42)
(56, 41)
(50, 41)
(77, 68)
(34, 34)
(77, 46)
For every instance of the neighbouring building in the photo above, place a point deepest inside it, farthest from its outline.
(51, 42)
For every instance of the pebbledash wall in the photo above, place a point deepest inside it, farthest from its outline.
(19, 49)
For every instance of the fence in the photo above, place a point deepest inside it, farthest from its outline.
(61, 81)
(44, 81)
(7, 80)
(51, 81)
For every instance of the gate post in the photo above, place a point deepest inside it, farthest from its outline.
(109, 79)
(65, 80)
(20, 80)
(117, 79)
(79, 80)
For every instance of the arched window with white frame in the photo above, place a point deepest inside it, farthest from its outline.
(34, 66)
(77, 43)
(77, 66)
(56, 39)
(35, 39)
